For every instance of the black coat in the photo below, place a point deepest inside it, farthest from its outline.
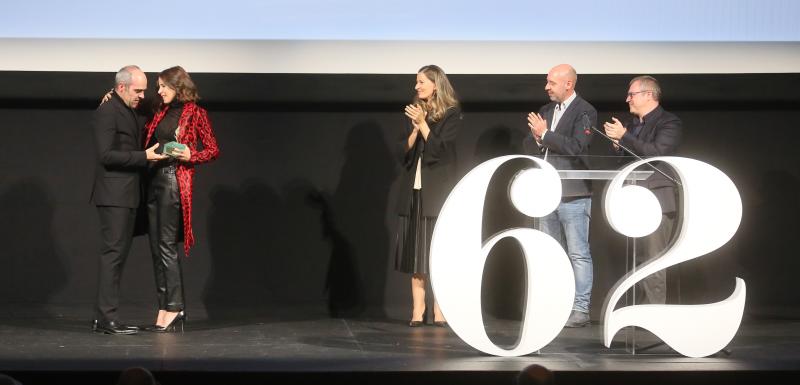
(117, 131)
(438, 169)
(660, 136)
(568, 145)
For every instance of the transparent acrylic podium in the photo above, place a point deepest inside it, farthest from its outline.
(630, 243)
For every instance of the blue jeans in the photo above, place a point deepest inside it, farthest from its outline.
(569, 225)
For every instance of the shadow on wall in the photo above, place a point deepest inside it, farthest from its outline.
(343, 284)
(769, 226)
(300, 251)
(354, 223)
(240, 222)
(493, 142)
(265, 253)
(32, 269)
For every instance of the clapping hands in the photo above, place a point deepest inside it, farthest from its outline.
(416, 114)
(537, 124)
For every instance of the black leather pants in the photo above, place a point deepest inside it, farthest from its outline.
(165, 223)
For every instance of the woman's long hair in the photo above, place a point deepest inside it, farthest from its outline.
(443, 98)
(179, 80)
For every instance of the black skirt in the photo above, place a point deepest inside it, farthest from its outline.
(413, 243)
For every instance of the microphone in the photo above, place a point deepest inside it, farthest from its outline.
(587, 123)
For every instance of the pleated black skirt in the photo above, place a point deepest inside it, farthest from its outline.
(413, 242)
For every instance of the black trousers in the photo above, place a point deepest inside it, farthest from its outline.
(164, 226)
(654, 286)
(116, 225)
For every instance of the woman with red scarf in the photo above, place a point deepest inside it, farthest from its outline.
(169, 188)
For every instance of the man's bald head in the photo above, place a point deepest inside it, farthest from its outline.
(566, 71)
(561, 82)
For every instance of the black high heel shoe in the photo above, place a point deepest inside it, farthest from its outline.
(416, 324)
(178, 321)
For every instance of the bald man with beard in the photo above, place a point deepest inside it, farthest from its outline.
(560, 134)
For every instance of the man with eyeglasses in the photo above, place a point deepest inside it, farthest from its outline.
(560, 133)
(652, 132)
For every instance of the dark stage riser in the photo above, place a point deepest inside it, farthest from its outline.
(299, 349)
(425, 378)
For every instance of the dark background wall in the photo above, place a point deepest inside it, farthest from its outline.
(297, 213)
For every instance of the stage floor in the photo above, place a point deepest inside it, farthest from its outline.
(324, 345)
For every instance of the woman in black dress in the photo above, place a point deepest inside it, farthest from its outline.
(429, 173)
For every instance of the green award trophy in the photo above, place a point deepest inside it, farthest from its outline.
(172, 146)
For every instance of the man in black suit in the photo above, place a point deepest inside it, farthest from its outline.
(560, 133)
(652, 132)
(117, 127)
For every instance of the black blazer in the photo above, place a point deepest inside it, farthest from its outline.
(438, 170)
(568, 145)
(117, 131)
(660, 136)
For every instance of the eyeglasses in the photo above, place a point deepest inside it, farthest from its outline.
(632, 94)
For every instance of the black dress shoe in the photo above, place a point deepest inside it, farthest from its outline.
(123, 326)
(415, 324)
(152, 328)
(113, 327)
(440, 324)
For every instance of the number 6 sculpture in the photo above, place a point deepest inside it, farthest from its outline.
(710, 215)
